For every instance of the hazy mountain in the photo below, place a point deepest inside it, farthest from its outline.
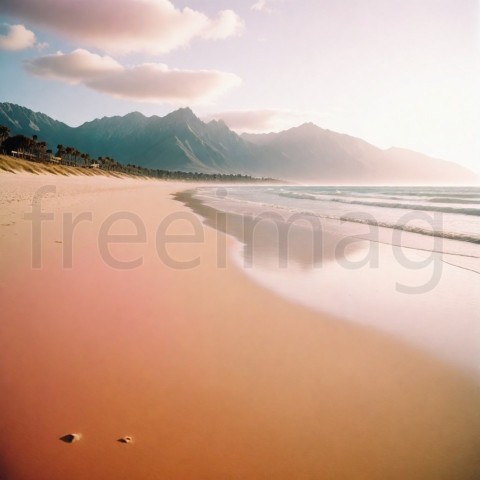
(181, 141)
(310, 153)
(406, 161)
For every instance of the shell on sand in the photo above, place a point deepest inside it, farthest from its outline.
(126, 439)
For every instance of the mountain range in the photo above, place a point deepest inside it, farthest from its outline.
(183, 142)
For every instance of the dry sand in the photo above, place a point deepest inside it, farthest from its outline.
(213, 377)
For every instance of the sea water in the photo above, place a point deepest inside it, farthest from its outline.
(409, 261)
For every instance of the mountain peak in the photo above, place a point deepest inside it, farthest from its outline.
(308, 126)
(184, 114)
(135, 115)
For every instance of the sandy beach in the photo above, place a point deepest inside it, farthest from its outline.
(212, 376)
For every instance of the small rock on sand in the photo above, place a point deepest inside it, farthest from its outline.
(71, 437)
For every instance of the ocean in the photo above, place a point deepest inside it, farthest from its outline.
(402, 260)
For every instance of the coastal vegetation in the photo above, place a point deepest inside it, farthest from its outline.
(33, 155)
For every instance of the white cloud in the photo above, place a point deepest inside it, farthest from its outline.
(76, 67)
(259, 121)
(123, 26)
(263, 6)
(260, 5)
(17, 38)
(151, 82)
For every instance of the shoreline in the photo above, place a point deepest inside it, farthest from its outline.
(213, 376)
(306, 262)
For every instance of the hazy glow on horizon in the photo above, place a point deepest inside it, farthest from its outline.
(395, 73)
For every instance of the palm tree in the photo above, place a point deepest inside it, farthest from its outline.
(69, 152)
(76, 154)
(25, 145)
(33, 145)
(60, 151)
(41, 150)
(4, 134)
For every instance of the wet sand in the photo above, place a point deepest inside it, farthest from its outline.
(212, 376)
(361, 274)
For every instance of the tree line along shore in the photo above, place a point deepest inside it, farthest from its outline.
(22, 150)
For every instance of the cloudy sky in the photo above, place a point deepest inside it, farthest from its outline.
(394, 72)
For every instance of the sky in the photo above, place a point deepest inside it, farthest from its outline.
(402, 73)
